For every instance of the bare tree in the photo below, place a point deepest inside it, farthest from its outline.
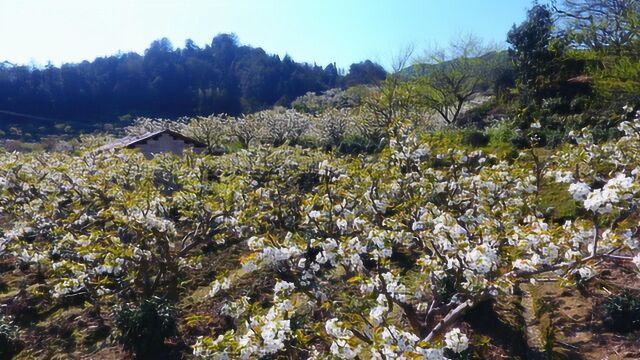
(451, 77)
(602, 24)
(394, 101)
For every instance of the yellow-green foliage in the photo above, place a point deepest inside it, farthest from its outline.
(305, 249)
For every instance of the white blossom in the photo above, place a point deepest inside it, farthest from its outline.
(456, 341)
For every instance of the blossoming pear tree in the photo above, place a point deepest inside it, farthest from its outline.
(107, 223)
(391, 253)
(370, 256)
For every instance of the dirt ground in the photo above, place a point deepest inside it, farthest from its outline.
(568, 322)
(545, 320)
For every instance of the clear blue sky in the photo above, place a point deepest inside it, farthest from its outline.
(321, 31)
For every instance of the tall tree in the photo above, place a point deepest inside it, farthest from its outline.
(535, 51)
(365, 72)
(451, 77)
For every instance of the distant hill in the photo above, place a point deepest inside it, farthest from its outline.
(496, 60)
(222, 77)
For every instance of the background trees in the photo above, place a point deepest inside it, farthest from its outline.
(603, 25)
(222, 77)
(365, 72)
(552, 82)
(570, 63)
(606, 34)
(577, 62)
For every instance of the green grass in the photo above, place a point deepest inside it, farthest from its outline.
(556, 201)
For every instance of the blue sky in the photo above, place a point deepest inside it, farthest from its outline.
(321, 31)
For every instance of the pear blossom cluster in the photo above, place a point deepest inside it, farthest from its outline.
(615, 193)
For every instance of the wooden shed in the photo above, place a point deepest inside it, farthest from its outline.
(157, 142)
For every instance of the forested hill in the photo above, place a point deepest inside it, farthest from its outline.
(223, 77)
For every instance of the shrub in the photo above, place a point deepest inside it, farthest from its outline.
(519, 141)
(217, 150)
(23, 309)
(475, 138)
(143, 328)
(307, 142)
(605, 132)
(500, 133)
(446, 287)
(359, 145)
(554, 138)
(622, 311)
(537, 139)
(9, 342)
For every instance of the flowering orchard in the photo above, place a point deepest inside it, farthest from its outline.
(375, 256)
(273, 127)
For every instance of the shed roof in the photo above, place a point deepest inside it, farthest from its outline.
(580, 79)
(133, 140)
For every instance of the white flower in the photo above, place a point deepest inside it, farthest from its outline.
(358, 223)
(431, 354)
(600, 201)
(396, 340)
(342, 225)
(340, 347)
(31, 258)
(217, 286)
(394, 287)
(586, 273)
(273, 334)
(249, 266)
(283, 287)
(420, 153)
(343, 350)
(199, 350)
(579, 191)
(616, 189)
(68, 286)
(417, 226)
(272, 255)
(564, 177)
(324, 169)
(482, 258)
(456, 341)
(314, 214)
(378, 312)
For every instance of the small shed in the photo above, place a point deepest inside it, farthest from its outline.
(157, 142)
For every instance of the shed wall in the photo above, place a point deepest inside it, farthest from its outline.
(164, 143)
